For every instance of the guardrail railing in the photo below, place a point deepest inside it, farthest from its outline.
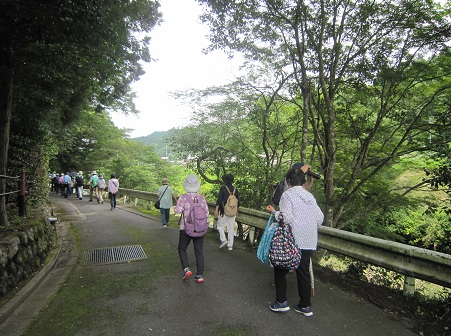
(413, 262)
(20, 191)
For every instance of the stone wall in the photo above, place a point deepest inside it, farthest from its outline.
(23, 251)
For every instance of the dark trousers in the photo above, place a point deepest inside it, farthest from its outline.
(66, 190)
(112, 200)
(303, 280)
(198, 243)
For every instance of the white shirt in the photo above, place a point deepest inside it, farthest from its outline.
(299, 209)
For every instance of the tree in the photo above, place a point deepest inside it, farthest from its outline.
(58, 58)
(354, 63)
(251, 132)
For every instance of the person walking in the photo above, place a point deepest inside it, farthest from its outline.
(113, 188)
(66, 180)
(79, 183)
(61, 184)
(165, 194)
(226, 220)
(93, 184)
(191, 186)
(299, 209)
(101, 185)
(56, 183)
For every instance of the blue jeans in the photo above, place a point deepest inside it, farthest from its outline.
(198, 243)
(164, 216)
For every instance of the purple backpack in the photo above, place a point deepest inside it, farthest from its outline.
(196, 223)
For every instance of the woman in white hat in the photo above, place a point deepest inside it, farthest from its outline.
(192, 186)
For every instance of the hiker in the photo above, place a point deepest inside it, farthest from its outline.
(299, 209)
(101, 185)
(283, 186)
(225, 213)
(93, 185)
(61, 184)
(66, 185)
(79, 182)
(165, 195)
(184, 207)
(113, 188)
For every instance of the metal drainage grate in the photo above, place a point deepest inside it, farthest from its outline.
(111, 255)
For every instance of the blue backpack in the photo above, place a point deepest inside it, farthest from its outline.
(196, 223)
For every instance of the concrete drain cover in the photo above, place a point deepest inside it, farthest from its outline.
(111, 255)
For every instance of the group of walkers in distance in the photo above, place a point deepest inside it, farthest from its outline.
(297, 207)
(73, 183)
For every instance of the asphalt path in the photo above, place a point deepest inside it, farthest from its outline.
(233, 300)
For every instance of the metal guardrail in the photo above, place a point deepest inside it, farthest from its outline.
(409, 260)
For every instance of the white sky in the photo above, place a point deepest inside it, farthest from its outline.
(177, 46)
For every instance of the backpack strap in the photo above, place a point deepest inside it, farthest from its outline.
(163, 192)
(230, 193)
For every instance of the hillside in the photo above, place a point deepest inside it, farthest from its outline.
(158, 141)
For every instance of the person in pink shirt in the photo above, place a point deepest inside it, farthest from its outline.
(113, 188)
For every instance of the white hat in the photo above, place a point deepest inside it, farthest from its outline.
(94, 172)
(191, 183)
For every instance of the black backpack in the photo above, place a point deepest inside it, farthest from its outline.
(79, 180)
(281, 187)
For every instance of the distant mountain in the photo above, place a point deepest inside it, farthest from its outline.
(157, 140)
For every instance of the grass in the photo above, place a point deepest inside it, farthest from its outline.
(429, 310)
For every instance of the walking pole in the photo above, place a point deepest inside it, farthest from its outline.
(312, 277)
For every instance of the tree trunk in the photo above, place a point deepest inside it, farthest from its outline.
(6, 86)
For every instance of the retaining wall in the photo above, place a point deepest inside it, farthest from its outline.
(23, 251)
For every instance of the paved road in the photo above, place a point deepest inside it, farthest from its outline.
(74, 297)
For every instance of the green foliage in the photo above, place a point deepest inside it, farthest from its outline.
(159, 141)
(62, 59)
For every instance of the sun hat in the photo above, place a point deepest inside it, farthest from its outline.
(191, 183)
(164, 181)
(94, 172)
(100, 176)
(80, 173)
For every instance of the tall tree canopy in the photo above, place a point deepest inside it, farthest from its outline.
(371, 79)
(58, 58)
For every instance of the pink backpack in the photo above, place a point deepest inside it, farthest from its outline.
(196, 223)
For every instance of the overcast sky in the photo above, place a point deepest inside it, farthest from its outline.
(177, 45)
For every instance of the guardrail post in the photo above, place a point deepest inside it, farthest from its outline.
(135, 202)
(21, 198)
(251, 236)
(409, 286)
(125, 199)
